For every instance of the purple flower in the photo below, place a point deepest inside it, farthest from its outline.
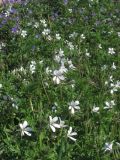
(15, 29)
(65, 2)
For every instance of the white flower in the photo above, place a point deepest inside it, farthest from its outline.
(108, 146)
(53, 124)
(63, 69)
(32, 66)
(118, 34)
(25, 129)
(109, 104)
(36, 25)
(71, 66)
(113, 66)
(23, 33)
(111, 51)
(70, 134)
(46, 31)
(95, 109)
(58, 76)
(48, 71)
(99, 46)
(82, 36)
(74, 105)
(62, 123)
(58, 36)
(43, 22)
(0, 85)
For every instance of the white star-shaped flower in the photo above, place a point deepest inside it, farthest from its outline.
(53, 124)
(58, 76)
(74, 106)
(108, 146)
(23, 33)
(25, 129)
(70, 134)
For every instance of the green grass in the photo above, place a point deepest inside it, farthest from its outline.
(33, 96)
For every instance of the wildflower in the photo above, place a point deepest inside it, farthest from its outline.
(0, 85)
(32, 66)
(70, 134)
(71, 66)
(43, 22)
(46, 31)
(48, 71)
(58, 36)
(99, 46)
(111, 51)
(53, 124)
(63, 69)
(109, 104)
(25, 129)
(95, 109)
(82, 36)
(74, 105)
(108, 146)
(36, 25)
(58, 76)
(23, 33)
(113, 66)
(118, 34)
(62, 123)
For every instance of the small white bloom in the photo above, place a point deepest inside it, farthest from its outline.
(43, 22)
(46, 31)
(82, 36)
(32, 66)
(109, 104)
(58, 76)
(118, 34)
(95, 109)
(23, 33)
(0, 85)
(48, 71)
(58, 36)
(53, 124)
(70, 10)
(108, 146)
(99, 46)
(36, 25)
(62, 123)
(113, 66)
(111, 51)
(25, 129)
(63, 69)
(74, 105)
(70, 134)
(71, 66)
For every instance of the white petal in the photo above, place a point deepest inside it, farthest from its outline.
(70, 130)
(53, 128)
(56, 125)
(70, 107)
(25, 124)
(21, 125)
(77, 107)
(55, 119)
(73, 134)
(29, 134)
(57, 80)
(50, 118)
(72, 138)
(77, 102)
(72, 110)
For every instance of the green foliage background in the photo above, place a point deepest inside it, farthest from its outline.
(99, 22)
